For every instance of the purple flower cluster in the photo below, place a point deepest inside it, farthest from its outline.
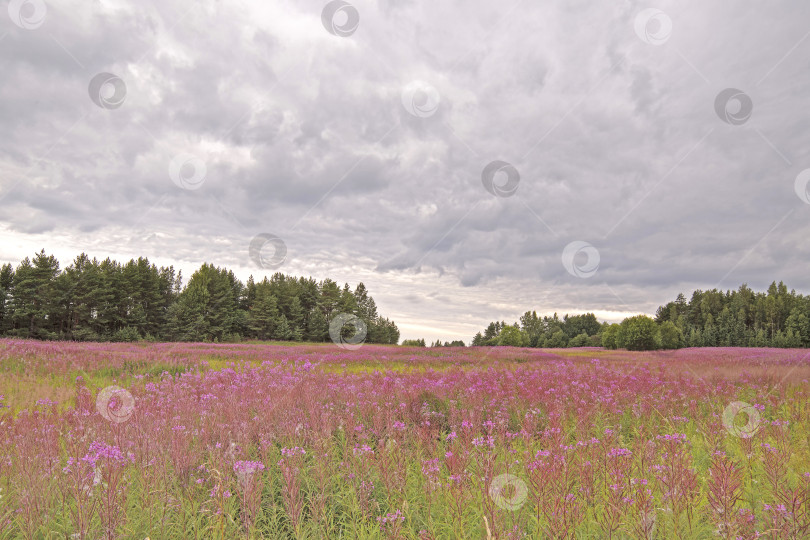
(110, 454)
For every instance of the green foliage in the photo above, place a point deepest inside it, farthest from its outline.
(610, 337)
(126, 334)
(109, 301)
(671, 336)
(575, 325)
(557, 340)
(317, 327)
(511, 336)
(741, 318)
(545, 331)
(438, 343)
(413, 342)
(580, 340)
(639, 333)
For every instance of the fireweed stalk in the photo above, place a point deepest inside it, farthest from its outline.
(361, 478)
(219, 498)
(35, 458)
(109, 464)
(678, 479)
(431, 483)
(322, 474)
(391, 466)
(642, 509)
(391, 525)
(789, 509)
(565, 509)
(77, 485)
(485, 470)
(249, 480)
(724, 492)
(291, 465)
(617, 493)
(457, 484)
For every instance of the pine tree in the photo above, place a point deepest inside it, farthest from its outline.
(317, 327)
(283, 330)
(296, 320)
(263, 315)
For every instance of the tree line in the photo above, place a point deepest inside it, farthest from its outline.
(438, 343)
(713, 318)
(548, 332)
(92, 300)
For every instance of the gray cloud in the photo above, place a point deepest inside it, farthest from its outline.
(304, 135)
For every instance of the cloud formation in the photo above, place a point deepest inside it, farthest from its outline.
(364, 149)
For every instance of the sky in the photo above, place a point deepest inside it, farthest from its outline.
(467, 160)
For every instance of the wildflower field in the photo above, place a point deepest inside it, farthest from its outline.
(314, 441)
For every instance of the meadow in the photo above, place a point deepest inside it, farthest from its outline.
(257, 440)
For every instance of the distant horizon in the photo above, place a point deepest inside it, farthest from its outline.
(430, 335)
(244, 272)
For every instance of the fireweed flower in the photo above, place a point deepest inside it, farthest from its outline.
(360, 450)
(484, 441)
(111, 454)
(676, 437)
(527, 398)
(431, 467)
(246, 469)
(391, 518)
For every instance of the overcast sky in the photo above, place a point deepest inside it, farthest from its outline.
(640, 149)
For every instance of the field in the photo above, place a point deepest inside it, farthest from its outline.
(314, 441)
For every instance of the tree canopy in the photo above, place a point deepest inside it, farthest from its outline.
(109, 301)
(735, 318)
